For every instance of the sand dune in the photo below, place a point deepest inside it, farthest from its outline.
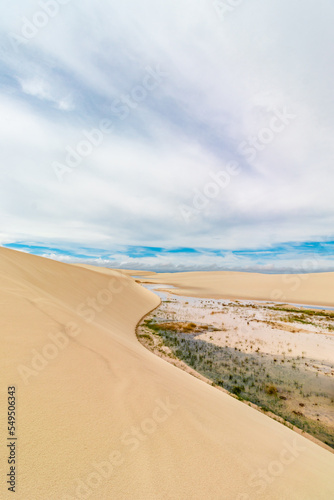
(313, 289)
(100, 417)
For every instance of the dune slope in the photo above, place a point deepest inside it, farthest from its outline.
(312, 288)
(100, 417)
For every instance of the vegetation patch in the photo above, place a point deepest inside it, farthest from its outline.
(281, 384)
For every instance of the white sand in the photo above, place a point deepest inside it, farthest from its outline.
(313, 289)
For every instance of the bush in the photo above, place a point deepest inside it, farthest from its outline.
(237, 389)
(271, 390)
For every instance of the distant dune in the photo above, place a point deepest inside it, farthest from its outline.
(313, 289)
(100, 417)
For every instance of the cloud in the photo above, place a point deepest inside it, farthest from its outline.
(36, 87)
(297, 258)
(186, 92)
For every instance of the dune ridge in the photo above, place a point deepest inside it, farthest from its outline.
(101, 417)
(312, 288)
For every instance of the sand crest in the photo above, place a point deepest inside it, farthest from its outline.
(313, 289)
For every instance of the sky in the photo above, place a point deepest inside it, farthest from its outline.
(169, 135)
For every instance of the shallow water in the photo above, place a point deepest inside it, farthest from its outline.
(158, 290)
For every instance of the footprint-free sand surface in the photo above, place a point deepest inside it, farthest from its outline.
(311, 289)
(100, 417)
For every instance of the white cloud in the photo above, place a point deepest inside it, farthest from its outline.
(37, 87)
(224, 82)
